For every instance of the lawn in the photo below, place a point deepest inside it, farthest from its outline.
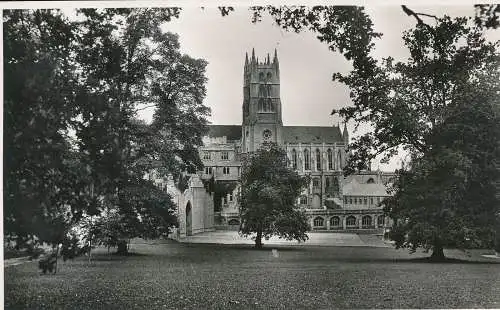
(169, 275)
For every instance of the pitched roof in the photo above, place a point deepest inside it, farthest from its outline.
(354, 188)
(232, 132)
(311, 134)
(291, 134)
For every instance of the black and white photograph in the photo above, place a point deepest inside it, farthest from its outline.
(250, 155)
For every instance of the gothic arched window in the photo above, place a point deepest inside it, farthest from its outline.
(307, 160)
(366, 221)
(335, 221)
(261, 76)
(294, 159)
(263, 91)
(339, 160)
(330, 159)
(350, 221)
(261, 105)
(318, 159)
(319, 221)
(269, 105)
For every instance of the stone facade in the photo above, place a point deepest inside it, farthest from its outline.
(195, 208)
(331, 201)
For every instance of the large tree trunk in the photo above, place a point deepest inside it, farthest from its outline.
(437, 253)
(258, 239)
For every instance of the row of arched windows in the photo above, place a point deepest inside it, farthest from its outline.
(366, 221)
(332, 165)
(261, 76)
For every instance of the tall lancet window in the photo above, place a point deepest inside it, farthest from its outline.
(264, 90)
(269, 106)
(265, 105)
(339, 160)
(330, 159)
(307, 160)
(318, 160)
(261, 105)
(294, 159)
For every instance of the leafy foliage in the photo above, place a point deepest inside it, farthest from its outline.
(269, 193)
(135, 63)
(440, 107)
(40, 179)
(74, 144)
(487, 15)
(448, 195)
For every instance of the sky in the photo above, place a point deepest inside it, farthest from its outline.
(308, 93)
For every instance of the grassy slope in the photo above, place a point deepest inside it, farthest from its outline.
(193, 276)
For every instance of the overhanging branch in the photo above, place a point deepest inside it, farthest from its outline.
(410, 12)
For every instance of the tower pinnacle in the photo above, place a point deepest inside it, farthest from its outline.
(345, 134)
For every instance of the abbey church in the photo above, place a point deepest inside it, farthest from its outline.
(332, 202)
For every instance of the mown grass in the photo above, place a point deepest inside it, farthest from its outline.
(194, 276)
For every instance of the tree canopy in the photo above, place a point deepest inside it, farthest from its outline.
(73, 143)
(269, 192)
(441, 106)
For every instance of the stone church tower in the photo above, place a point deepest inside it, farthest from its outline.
(262, 120)
(332, 202)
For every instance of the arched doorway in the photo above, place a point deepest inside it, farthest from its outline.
(189, 219)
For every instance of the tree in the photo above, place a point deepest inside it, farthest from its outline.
(440, 106)
(270, 189)
(72, 136)
(447, 197)
(129, 62)
(42, 175)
